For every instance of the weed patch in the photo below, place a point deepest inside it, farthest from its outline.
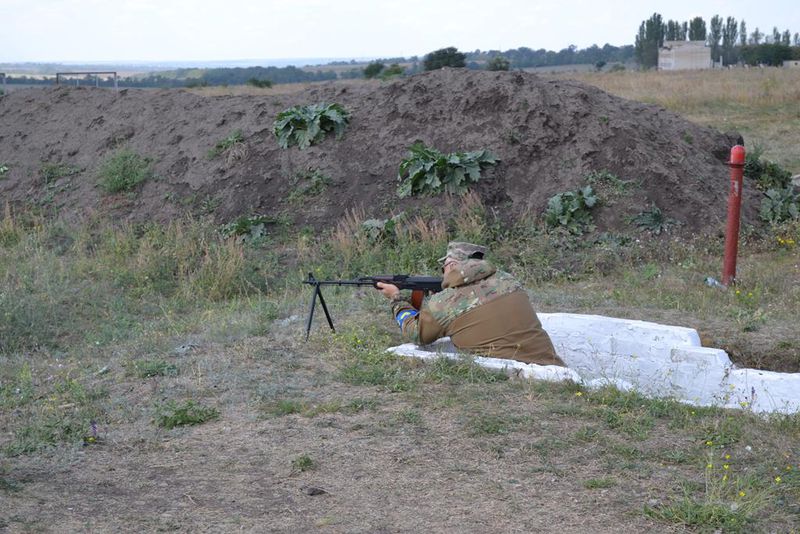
(600, 483)
(151, 368)
(123, 171)
(310, 183)
(233, 147)
(302, 464)
(654, 221)
(172, 414)
(50, 172)
(306, 125)
(494, 425)
(426, 171)
(572, 210)
(63, 414)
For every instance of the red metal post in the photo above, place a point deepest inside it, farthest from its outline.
(734, 208)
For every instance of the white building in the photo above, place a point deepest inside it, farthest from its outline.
(684, 55)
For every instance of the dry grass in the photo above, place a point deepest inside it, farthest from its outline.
(103, 328)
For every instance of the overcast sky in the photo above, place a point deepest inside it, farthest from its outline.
(167, 30)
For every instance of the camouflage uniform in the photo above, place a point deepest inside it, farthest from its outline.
(482, 310)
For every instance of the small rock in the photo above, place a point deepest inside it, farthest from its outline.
(289, 320)
(313, 490)
(183, 349)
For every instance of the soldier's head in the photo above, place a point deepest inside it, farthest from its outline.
(458, 251)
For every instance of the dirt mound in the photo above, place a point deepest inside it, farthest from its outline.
(549, 135)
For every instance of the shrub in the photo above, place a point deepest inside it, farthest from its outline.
(306, 125)
(571, 210)
(498, 63)
(780, 205)
(444, 57)
(767, 175)
(123, 171)
(373, 69)
(262, 84)
(172, 414)
(393, 70)
(428, 171)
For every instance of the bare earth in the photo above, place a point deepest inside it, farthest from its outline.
(549, 135)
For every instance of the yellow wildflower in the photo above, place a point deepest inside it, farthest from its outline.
(742, 494)
(778, 479)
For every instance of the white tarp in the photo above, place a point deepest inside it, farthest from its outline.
(653, 359)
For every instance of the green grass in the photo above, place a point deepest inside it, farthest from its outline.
(50, 172)
(172, 414)
(303, 463)
(233, 147)
(600, 483)
(310, 183)
(151, 368)
(122, 298)
(60, 413)
(707, 516)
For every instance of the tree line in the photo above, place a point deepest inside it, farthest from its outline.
(728, 39)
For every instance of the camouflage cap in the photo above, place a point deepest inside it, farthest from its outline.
(461, 251)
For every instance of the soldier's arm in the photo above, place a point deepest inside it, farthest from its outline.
(417, 326)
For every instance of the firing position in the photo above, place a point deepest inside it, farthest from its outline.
(482, 309)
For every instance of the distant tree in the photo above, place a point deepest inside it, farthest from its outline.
(766, 54)
(263, 84)
(697, 29)
(672, 32)
(797, 39)
(755, 37)
(498, 63)
(373, 69)
(729, 34)
(444, 57)
(776, 35)
(648, 40)
(742, 33)
(786, 38)
(392, 71)
(715, 36)
(684, 31)
(599, 65)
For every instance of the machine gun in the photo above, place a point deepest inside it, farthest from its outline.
(420, 286)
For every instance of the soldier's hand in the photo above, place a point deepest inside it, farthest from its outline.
(388, 290)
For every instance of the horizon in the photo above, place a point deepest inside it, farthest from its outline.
(145, 32)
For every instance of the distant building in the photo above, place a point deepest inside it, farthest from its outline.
(684, 55)
(792, 63)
